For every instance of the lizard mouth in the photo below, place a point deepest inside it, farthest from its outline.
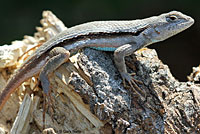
(190, 22)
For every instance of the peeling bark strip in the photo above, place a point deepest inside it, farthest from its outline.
(89, 97)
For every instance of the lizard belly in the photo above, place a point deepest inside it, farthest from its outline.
(104, 48)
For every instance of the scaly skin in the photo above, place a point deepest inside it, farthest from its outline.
(122, 37)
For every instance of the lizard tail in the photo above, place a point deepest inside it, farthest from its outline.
(25, 72)
(7, 91)
(22, 74)
(12, 84)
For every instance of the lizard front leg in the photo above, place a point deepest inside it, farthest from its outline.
(58, 56)
(119, 55)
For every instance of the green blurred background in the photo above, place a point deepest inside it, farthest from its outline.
(180, 53)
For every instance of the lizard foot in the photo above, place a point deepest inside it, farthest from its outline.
(132, 82)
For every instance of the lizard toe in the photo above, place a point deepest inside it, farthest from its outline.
(132, 82)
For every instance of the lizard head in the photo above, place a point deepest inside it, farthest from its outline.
(167, 25)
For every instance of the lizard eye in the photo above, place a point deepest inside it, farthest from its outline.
(171, 18)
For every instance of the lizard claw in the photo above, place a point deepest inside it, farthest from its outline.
(132, 82)
(137, 81)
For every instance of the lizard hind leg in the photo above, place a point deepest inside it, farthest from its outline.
(57, 56)
(20, 57)
(47, 105)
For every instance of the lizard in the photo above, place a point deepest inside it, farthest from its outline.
(122, 37)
